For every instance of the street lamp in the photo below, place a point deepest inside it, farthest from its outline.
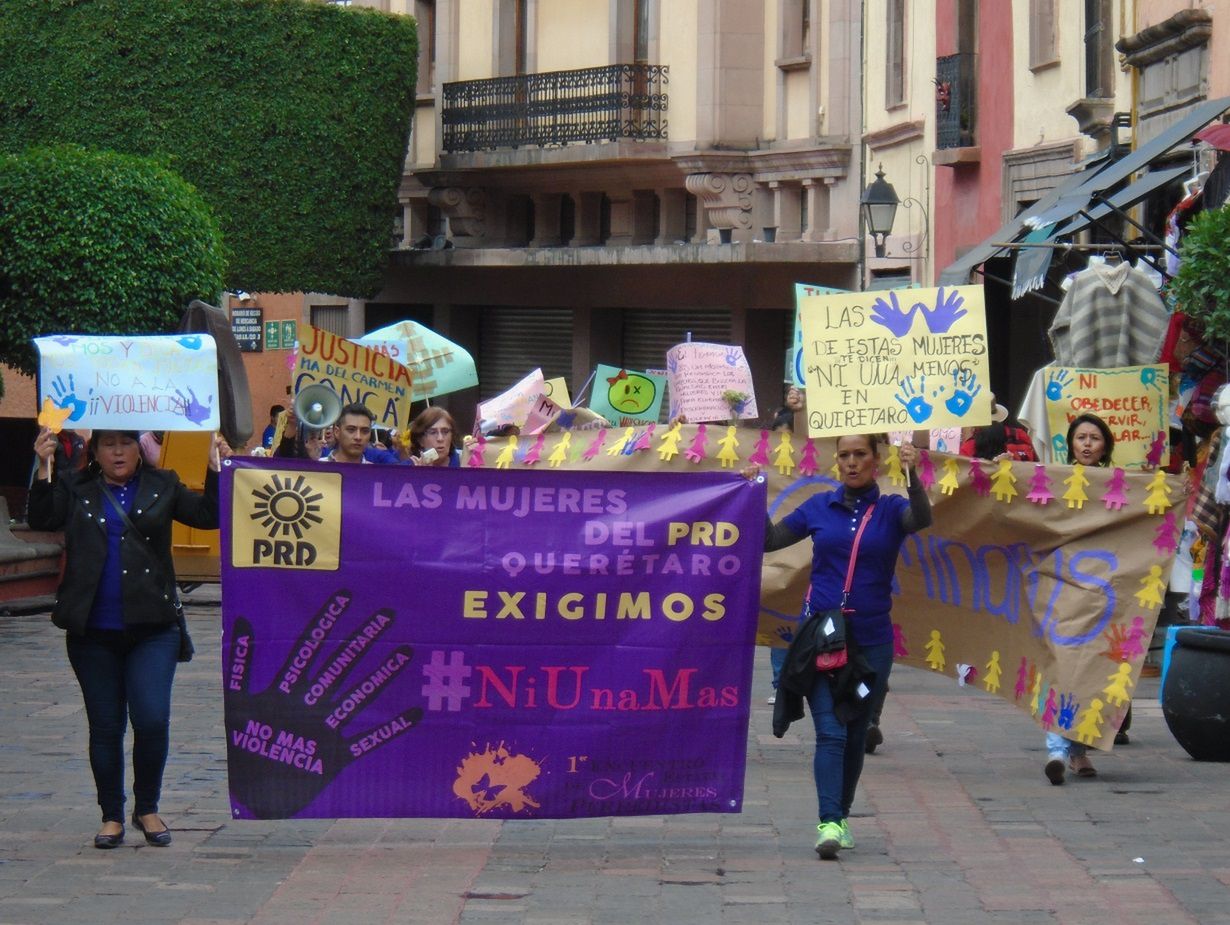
(879, 205)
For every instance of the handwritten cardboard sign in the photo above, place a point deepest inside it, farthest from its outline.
(1131, 400)
(542, 413)
(625, 395)
(794, 358)
(710, 382)
(159, 382)
(557, 391)
(357, 374)
(513, 406)
(895, 359)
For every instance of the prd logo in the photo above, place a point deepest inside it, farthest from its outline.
(286, 519)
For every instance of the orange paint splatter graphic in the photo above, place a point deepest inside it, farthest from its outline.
(495, 777)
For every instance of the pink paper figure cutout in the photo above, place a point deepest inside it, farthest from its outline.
(1022, 678)
(595, 446)
(1116, 491)
(760, 455)
(807, 465)
(534, 453)
(900, 649)
(925, 469)
(1156, 450)
(696, 452)
(1049, 711)
(1135, 644)
(477, 448)
(1164, 539)
(978, 480)
(1040, 486)
(643, 442)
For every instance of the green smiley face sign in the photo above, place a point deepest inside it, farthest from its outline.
(631, 393)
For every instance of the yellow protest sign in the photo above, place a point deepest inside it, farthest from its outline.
(895, 360)
(356, 374)
(557, 391)
(1130, 399)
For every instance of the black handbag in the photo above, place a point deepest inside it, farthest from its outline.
(186, 648)
(831, 633)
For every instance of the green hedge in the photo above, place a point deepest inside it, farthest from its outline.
(291, 117)
(98, 242)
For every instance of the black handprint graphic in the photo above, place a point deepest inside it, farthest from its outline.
(284, 744)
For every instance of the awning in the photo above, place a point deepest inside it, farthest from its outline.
(1064, 204)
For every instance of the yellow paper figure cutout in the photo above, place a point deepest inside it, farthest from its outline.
(948, 483)
(1090, 726)
(935, 651)
(1116, 691)
(783, 459)
(836, 470)
(53, 418)
(618, 446)
(1152, 587)
(1158, 498)
(560, 453)
(990, 681)
(1035, 702)
(1003, 483)
(504, 460)
(1076, 482)
(668, 446)
(895, 474)
(728, 448)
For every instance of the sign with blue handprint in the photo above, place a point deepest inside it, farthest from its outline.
(895, 359)
(794, 356)
(710, 382)
(1131, 400)
(159, 382)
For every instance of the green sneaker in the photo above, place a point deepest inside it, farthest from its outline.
(846, 841)
(828, 840)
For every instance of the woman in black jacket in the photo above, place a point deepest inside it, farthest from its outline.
(117, 601)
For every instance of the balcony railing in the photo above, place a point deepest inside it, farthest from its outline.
(956, 108)
(556, 108)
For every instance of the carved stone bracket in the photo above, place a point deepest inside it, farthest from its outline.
(466, 209)
(726, 198)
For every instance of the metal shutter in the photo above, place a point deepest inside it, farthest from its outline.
(512, 341)
(649, 333)
(332, 318)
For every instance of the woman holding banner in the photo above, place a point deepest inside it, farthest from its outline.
(431, 439)
(1090, 443)
(856, 534)
(118, 602)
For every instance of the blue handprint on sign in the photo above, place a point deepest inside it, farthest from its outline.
(1059, 446)
(1067, 710)
(947, 312)
(190, 342)
(194, 411)
(785, 633)
(1057, 383)
(914, 399)
(965, 387)
(1148, 377)
(672, 362)
(66, 397)
(732, 356)
(891, 316)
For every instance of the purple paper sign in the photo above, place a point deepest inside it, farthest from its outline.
(481, 643)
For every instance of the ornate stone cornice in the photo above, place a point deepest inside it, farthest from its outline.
(1185, 29)
(896, 134)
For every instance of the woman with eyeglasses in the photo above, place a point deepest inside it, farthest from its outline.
(431, 439)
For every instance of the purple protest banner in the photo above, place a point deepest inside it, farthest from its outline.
(415, 641)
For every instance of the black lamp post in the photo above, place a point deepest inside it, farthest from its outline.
(879, 205)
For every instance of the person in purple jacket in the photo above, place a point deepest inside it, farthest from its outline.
(832, 520)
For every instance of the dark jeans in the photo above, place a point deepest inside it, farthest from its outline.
(840, 748)
(126, 675)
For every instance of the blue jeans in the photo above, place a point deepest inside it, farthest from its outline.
(1059, 747)
(777, 661)
(126, 675)
(840, 748)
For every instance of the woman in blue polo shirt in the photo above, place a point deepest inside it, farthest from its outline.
(832, 520)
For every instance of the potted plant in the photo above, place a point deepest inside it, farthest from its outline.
(1202, 286)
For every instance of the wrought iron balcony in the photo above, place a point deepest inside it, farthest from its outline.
(956, 106)
(619, 101)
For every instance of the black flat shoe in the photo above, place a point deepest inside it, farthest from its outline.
(157, 839)
(109, 841)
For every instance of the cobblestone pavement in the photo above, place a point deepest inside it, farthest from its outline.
(955, 824)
